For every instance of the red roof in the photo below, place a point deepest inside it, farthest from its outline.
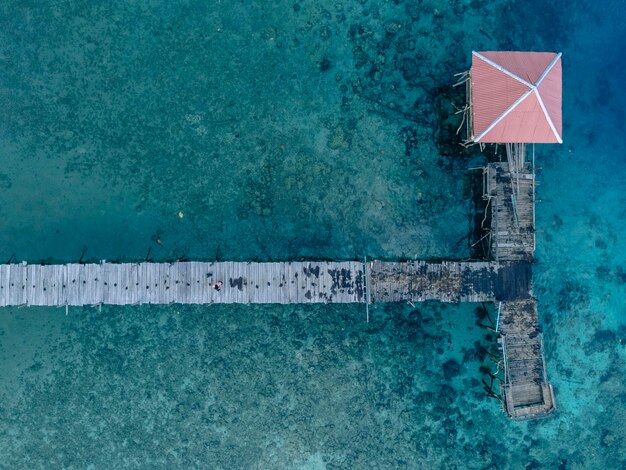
(516, 97)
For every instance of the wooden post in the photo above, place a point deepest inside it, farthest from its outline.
(366, 285)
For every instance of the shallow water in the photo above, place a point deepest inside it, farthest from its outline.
(296, 129)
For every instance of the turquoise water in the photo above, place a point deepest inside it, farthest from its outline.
(283, 130)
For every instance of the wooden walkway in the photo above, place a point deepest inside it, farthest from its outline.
(182, 283)
(512, 213)
(247, 283)
(448, 281)
(527, 394)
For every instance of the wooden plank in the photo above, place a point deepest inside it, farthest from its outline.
(70, 283)
(49, 280)
(17, 285)
(140, 284)
(159, 294)
(5, 285)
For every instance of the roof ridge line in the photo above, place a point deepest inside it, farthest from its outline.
(548, 118)
(504, 114)
(502, 69)
(548, 68)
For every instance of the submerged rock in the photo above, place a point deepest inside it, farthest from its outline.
(451, 369)
(605, 337)
(410, 69)
(602, 340)
(325, 64)
(447, 396)
(415, 317)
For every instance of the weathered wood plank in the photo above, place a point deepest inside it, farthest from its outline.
(420, 281)
(525, 378)
(512, 227)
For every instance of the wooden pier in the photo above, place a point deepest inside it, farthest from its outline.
(503, 108)
(181, 283)
(448, 281)
(526, 392)
(507, 278)
(511, 199)
(251, 283)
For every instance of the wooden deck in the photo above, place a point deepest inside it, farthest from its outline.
(527, 394)
(448, 281)
(247, 283)
(512, 213)
(182, 283)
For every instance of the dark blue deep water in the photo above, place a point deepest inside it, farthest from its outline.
(297, 129)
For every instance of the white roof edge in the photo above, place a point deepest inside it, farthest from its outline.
(545, 113)
(502, 69)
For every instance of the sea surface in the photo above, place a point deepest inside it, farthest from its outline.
(278, 130)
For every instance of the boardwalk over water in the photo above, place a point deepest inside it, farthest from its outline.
(418, 281)
(248, 283)
(526, 392)
(181, 283)
(507, 279)
(512, 213)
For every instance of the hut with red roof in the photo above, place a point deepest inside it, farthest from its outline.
(515, 97)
